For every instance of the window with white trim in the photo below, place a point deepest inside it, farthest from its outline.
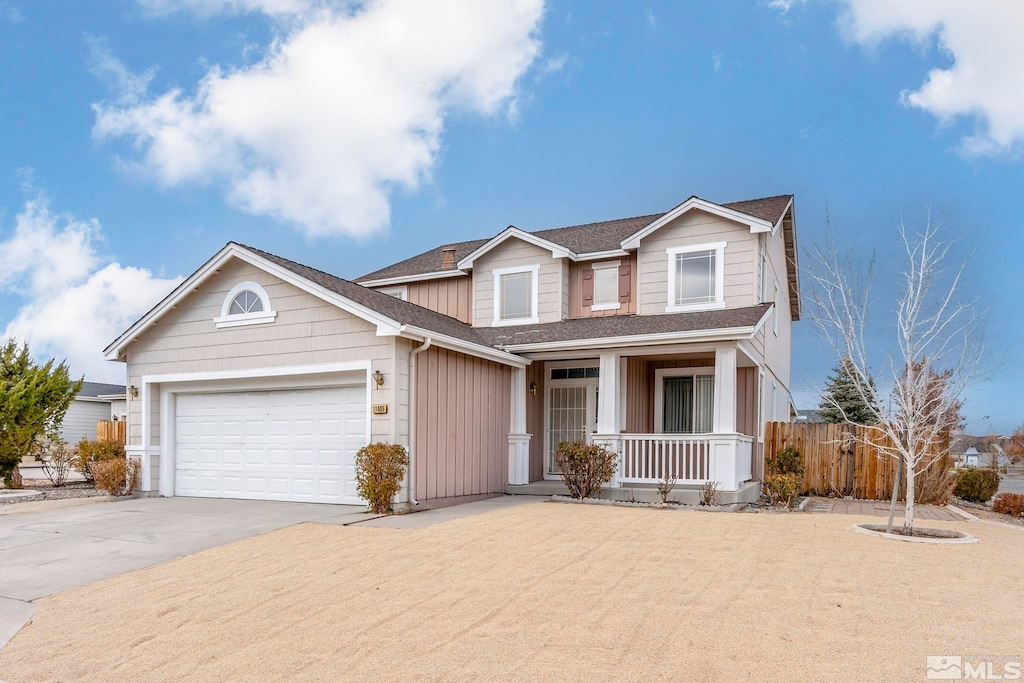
(515, 295)
(606, 286)
(685, 402)
(401, 292)
(762, 276)
(696, 278)
(246, 304)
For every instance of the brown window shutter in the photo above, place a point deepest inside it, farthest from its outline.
(588, 287)
(624, 282)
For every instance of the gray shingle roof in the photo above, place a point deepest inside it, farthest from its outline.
(589, 237)
(583, 328)
(624, 325)
(396, 309)
(94, 389)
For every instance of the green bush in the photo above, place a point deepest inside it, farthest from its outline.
(585, 468)
(787, 461)
(87, 453)
(380, 468)
(1009, 504)
(977, 484)
(782, 489)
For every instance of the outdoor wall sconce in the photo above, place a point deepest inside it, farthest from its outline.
(533, 388)
(133, 391)
(378, 377)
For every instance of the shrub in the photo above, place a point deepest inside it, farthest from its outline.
(380, 468)
(787, 461)
(665, 485)
(87, 453)
(977, 484)
(782, 489)
(116, 476)
(1009, 504)
(585, 468)
(57, 461)
(709, 493)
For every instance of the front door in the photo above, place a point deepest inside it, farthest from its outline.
(572, 417)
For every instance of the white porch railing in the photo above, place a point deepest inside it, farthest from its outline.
(691, 458)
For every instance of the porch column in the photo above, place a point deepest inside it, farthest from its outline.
(723, 442)
(518, 439)
(608, 407)
(725, 390)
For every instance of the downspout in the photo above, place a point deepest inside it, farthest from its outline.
(411, 485)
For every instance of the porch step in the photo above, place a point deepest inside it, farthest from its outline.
(749, 492)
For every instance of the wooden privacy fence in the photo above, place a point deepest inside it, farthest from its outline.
(838, 462)
(107, 430)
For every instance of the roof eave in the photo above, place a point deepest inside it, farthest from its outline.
(717, 334)
(756, 224)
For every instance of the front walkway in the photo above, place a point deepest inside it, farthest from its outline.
(877, 508)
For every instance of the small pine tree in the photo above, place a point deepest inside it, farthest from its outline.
(33, 401)
(841, 402)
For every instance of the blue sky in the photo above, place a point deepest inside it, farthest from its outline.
(578, 112)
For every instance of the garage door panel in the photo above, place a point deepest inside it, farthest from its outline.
(271, 445)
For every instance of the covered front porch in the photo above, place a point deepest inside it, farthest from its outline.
(692, 413)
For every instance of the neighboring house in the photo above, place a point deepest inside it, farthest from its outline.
(665, 337)
(95, 402)
(972, 457)
(810, 416)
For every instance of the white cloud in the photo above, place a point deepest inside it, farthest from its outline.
(346, 107)
(783, 5)
(649, 15)
(11, 13)
(555, 64)
(129, 87)
(984, 40)
(73, 300)
(716, 60)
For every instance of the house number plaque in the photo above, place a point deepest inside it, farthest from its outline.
(380, 408)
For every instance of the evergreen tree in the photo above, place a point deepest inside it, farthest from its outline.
(841, 402)
(33, 401)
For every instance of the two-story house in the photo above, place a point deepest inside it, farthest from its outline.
(665, 337)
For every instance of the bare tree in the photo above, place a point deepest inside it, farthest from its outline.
(935, 356)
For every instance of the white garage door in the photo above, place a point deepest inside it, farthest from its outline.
(270, 445)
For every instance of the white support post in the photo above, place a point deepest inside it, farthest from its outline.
(725, 390)
(608, 398)
(723, 442)
(518, 439)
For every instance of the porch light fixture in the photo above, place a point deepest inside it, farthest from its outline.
(533, 388)
(133, 391)
(378, 377)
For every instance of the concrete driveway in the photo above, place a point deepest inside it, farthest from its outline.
(42, 553)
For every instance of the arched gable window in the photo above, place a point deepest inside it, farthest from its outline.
(246, 304)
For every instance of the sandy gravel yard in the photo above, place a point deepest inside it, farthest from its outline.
(542, 592)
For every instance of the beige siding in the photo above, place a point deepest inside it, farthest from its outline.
(552, 280)
(777, 346)
(462, 422)
(576, 307)
(307, 331)
(698, 227)
(451, 296)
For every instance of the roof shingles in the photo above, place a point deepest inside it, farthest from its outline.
(589, 237)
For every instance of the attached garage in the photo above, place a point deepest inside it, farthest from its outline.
(290, 445)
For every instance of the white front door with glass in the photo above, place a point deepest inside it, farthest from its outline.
(571, 409)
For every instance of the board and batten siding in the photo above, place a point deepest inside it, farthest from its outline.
(307, 331)
(576, 307)
(462, 422)
(536, 373)
(552, 280)
(698, 227)
(452, 296)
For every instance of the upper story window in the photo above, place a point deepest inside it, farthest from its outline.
(246, 304)
(606, 286)
(696, 277)
(401, 293)
(515, 295)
